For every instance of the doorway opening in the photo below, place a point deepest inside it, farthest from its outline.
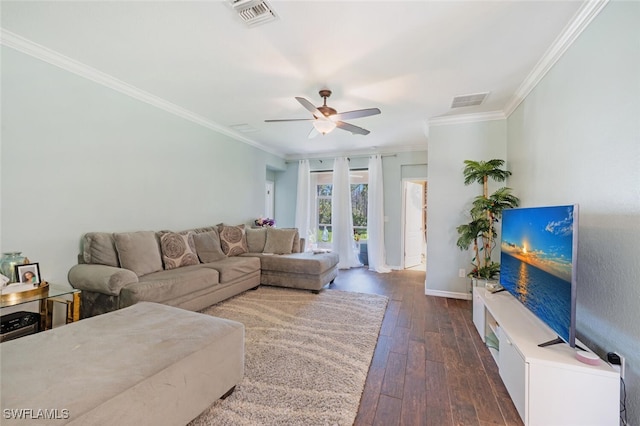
(269, 199)
(414, 235)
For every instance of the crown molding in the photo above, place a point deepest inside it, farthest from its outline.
(28, 47)
(466, 118)
(589, 10)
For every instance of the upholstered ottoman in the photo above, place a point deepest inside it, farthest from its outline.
(306, 271)
(148, 364)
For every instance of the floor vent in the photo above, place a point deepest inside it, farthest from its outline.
(253, 12)
(469, 100)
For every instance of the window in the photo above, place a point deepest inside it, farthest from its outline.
(322, 182)
(324, 192)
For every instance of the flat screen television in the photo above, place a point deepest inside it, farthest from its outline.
(538, 255)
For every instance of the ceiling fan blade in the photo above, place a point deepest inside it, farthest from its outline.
(351, 128)
(355, 114)
(311, 108)
(289, 119)
(313, 133)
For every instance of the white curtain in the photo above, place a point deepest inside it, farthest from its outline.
(375, 217)
(303, 202)
(341, 216)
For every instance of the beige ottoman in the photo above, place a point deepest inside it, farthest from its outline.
(148, 364)
(306, 271)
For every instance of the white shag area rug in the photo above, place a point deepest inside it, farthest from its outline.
(306, 356)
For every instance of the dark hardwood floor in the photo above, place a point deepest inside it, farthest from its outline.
(430, 366)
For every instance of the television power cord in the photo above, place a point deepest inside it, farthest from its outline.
(623, 404)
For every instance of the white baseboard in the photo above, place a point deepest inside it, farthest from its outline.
(449, 294)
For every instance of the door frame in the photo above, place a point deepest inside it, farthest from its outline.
(403, 216)
(270, 198)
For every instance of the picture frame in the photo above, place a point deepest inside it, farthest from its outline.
(28, 273)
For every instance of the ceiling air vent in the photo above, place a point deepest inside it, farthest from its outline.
(469, 100)
(253, 12)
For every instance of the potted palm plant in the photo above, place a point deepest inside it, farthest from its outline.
(485, 212)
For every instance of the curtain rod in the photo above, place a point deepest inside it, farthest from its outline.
(348, 158)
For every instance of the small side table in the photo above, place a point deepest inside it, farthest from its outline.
(47, 297)
(73, 309)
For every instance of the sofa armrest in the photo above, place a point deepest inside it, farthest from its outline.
(101, 278)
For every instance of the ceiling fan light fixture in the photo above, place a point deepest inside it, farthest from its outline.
(324, 126)
(325, 118)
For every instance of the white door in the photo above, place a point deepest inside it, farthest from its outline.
(413, 230)
(268, 201)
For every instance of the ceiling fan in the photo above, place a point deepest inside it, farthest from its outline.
(325, 118)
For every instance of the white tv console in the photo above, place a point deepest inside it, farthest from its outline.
(548, 386)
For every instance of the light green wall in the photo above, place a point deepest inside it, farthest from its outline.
(79, 157)
(448, 199)
(414, 171)
(270, 175)
(392, 169)
(285, 196)
(576, 139)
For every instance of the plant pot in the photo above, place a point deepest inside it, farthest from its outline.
(478, 282)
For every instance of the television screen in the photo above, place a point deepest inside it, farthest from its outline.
(538, 263)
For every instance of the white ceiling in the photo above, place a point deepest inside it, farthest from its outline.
(408, 58)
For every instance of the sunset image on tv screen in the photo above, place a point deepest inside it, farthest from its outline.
(536, 261)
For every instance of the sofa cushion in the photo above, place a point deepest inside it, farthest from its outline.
(99, 248)
(178, 250)
(139, 251)
(208, 246)
(234, 268)
(165, 286)
(256, 239)
(279, 241)
(233, 239)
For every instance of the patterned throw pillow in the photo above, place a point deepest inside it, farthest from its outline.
(233, 239)
(178, 250)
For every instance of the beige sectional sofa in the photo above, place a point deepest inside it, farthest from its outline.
(192, 269)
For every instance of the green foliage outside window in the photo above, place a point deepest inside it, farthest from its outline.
(359, 194)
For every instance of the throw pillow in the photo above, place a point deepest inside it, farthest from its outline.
(233, 239)
(100, 248)
(279, 241)
(139, 251)
(208, 246)
(256, 239)
(204, 229)
(178, 250)
(296, 242)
